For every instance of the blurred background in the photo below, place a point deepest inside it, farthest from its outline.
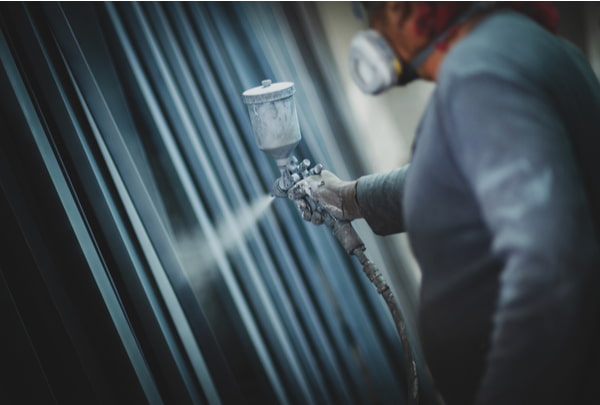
(142, 258)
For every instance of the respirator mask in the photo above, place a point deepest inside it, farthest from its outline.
(374, 66)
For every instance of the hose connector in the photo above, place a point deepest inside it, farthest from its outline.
(345, 233)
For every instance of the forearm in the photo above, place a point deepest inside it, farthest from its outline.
(380, 200)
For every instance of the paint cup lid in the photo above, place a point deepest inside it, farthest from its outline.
(268, 92)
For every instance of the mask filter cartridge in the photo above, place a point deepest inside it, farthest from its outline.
(373, 65)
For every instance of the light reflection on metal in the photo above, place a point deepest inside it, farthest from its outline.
(152, 92)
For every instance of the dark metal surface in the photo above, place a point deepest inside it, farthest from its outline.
(135, 115)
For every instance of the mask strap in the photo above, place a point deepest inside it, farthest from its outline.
(477, 8)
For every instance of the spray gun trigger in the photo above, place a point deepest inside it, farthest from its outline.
(316, 218)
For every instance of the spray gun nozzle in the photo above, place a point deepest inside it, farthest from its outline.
(277, 190)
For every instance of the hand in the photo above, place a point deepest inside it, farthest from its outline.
(334, 195)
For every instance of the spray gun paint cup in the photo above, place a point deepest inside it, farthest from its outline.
(274, 119)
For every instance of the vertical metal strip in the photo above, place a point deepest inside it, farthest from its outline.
(196, 155)
(113, 216)
(197, 205)
(199, 114)
(102, 112)
(158, 273)
(294, 68)
(286, 63)
(330, 264)
(78, 224)
(294, 283)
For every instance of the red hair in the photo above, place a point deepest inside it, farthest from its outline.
(433, 17)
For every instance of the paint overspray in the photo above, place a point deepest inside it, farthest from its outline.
(200, 255)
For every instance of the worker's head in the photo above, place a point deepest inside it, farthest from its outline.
(403, 35)
(409, 26)
(392, 51)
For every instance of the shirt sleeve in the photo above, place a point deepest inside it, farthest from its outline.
(380, 200)
(513, 149)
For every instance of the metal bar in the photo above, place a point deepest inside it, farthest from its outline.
(196, 203)
(81, 232)
(208, 82)
(197, 156)
(376, 360)
(101, 113)
(199, 114)
(147, 302)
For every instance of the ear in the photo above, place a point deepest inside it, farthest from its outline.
(398, 25)
(398, 13)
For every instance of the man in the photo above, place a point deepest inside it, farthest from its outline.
(501, 203)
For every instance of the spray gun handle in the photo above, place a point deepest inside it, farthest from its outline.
(291, 173)
(343, 231)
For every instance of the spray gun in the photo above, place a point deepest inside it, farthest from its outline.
(277, 133)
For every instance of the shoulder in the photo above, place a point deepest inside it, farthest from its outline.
(506, 47)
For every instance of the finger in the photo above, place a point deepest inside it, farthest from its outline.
(304, 209)
(299, 191)
(306, 216)
(302, 206)
(316, 218)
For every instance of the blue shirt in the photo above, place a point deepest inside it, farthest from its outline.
(501, 202)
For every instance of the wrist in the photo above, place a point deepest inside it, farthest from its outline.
(350, 207)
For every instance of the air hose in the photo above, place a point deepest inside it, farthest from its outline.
(354, 246)
(344, 232)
